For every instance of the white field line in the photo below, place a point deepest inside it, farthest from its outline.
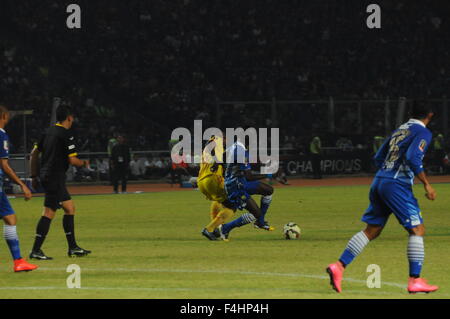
(232, 272)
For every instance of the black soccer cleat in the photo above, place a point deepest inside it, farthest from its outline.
(209, 235)
(39, 254)
(78, 252)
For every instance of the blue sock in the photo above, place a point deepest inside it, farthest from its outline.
(10, 235)
(354, 247)
(245, 219)
(265, 203)
(416, 255)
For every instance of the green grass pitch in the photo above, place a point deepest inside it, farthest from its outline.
(149, 246)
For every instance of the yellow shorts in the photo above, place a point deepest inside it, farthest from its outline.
(213, 188)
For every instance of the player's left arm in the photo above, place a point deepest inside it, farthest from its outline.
(414, 158)
(417, 150)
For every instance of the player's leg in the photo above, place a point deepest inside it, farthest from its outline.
(42, 230)
(221, 215)
(115, 180)
(375, 217)
(69, 229)
(12, 240)
(124, 177)
(266, 192)
(416, 257)
(51, 204)
(10, 235)
(214, 214)
(214, 222)
(406, 210)
(253, 213)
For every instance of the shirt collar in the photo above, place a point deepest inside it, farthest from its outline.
(414, 121)
(2, 130)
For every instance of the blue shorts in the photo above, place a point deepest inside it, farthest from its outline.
(239, 190)
(5, 206)
(389, 196)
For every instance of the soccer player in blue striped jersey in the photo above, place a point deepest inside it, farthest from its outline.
(6, 211)
(399, 161)
(240, 185)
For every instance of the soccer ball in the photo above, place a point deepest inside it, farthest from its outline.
(291, 231)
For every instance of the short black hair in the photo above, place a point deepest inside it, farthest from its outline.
(62, 112)
(420, 109)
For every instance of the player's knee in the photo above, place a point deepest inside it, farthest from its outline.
(49, 213)
(417, 231)
(69, 210)
(266, 190)
(373, 232)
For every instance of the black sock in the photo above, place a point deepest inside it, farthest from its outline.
(41, 232)
(69, 229)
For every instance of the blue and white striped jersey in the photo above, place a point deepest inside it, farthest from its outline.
(400, 157)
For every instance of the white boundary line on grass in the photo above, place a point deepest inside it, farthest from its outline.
(232, 272)
(152, 270)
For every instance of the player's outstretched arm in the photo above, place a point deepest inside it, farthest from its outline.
(4, 164)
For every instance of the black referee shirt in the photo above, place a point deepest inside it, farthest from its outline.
(56, 146)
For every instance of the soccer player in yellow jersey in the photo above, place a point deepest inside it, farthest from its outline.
(210, 182)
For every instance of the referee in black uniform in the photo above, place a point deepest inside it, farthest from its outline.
(58, 150)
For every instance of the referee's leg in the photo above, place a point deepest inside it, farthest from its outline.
(69, 229)
(42, 229)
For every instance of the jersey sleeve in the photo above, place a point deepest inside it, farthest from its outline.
(4, 146)
(71, 148)
(417, 150)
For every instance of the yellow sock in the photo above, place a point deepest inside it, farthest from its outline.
(221, 218)
(213, 212)
(215, 209)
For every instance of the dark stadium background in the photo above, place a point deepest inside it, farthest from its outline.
(143, 68)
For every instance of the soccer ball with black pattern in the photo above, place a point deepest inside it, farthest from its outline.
(291, 231)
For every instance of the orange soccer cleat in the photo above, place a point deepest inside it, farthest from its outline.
(420, 285)
(22, 265)
(336, 272)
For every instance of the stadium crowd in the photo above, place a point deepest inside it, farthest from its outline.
(142, 68)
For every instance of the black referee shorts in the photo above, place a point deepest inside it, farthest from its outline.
(55, 192)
